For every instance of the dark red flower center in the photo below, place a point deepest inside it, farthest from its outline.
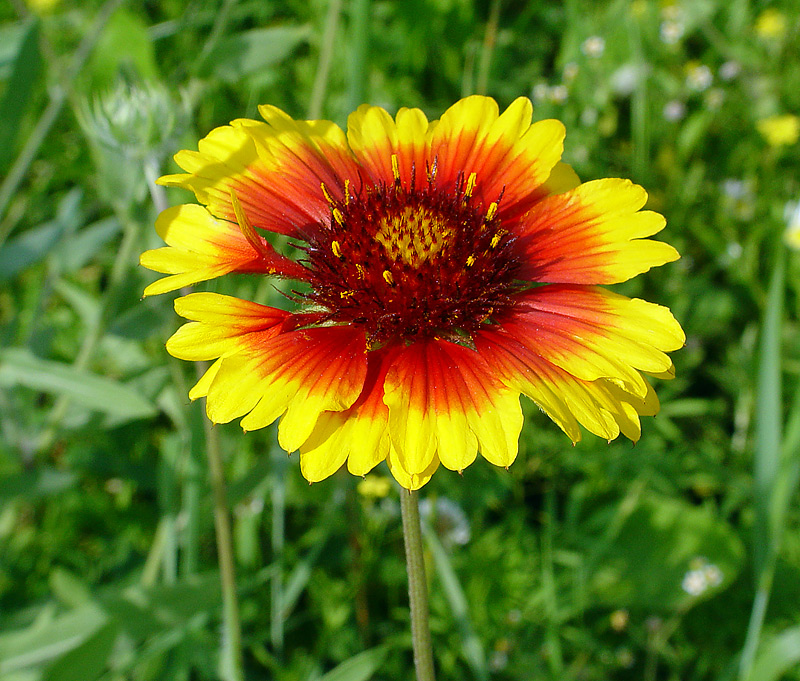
(406, 262)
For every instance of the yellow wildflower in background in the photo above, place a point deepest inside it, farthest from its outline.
(770, 24)
(376, 486)
(780, 131)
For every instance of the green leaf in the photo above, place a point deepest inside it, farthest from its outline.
(35, 244)
(358, 668)
(665, 555)
(11, 37)
(86, 243)
(36, 484)
(18, 92)
(778, 655)
(87, 661)
(123, 48)
(251, 52)
(48, 638)
(18, 367)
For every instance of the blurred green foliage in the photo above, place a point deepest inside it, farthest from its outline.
(601, 561)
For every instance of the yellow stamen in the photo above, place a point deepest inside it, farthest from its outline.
(347, 192)
(326, 193)
(337, 215)
(387, 275)
(492, 210)
(470, 261)
(395, 168)
(336, 248)
(347, 294)
(360, 270)
(496, 238)
(471, 181)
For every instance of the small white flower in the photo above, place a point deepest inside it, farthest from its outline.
(449, 520)
(694, 582)
(734, 250)
(559, 94)
(699, 77)
(729, 70)
(625, 79)
(671, 32)
(570, 71)
(594, 46)
(541, 92)
(735, 189)
(674, 110)
(589, 116)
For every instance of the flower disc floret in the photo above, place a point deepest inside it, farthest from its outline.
(407, 262)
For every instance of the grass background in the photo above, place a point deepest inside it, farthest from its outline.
(678, 559)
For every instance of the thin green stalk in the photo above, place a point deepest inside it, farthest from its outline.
(277, 599)
(487, 49)
(325, 59)
(768, 464)
(231, 663)
(639, 118)
(359, 53)
(58, 96)
(220, 23)
(417, 586)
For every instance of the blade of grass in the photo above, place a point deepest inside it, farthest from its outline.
(473, 650)
(19, 88)
(280, 464)
(325, 59)
(359, 53)
(767, 461)
(487, 49)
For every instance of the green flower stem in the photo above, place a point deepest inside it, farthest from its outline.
(417, 586)
(231, 665)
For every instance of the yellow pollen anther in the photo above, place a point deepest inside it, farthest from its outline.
(336, 248)
(395, 168)
(470, 261)
(471, 181)
(326, 193)
(492, 210)
(337, 215)
(360, 270)
(347, 192)
(387, 275)
(347, 294)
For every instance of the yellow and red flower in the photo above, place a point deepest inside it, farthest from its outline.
(448, 266)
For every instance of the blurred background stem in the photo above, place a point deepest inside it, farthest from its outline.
(231, 664)
(359, 53)
(58, 95)
(487, 49)
(325, 58)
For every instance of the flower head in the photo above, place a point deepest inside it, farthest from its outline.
(448, 266)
